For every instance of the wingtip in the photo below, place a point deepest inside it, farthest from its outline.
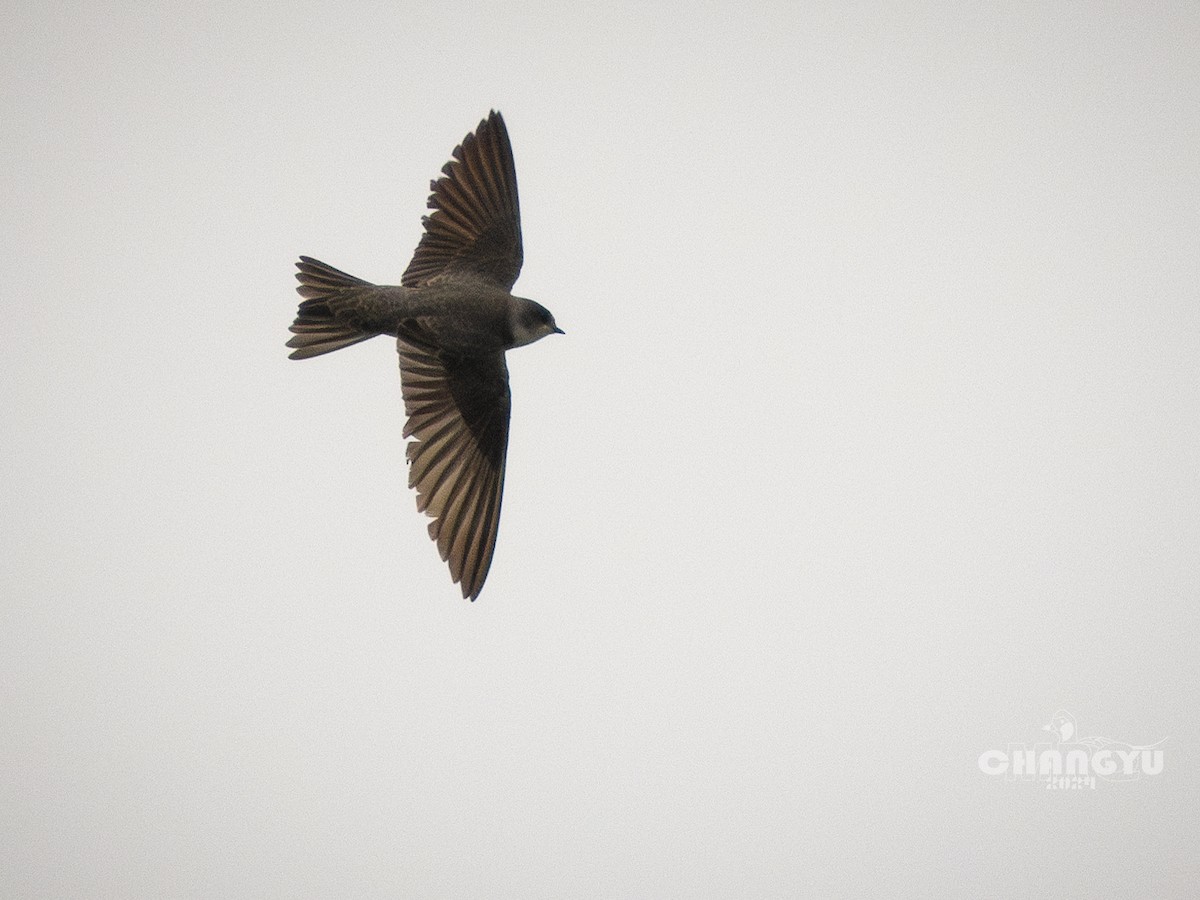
(494, 121)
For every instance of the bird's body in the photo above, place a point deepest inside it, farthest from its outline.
(453, 317)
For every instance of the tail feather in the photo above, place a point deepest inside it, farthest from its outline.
(317, 329)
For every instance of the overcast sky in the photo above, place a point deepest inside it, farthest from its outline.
(873, 442)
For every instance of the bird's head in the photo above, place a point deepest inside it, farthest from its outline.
(531, 322)
(1062, 725)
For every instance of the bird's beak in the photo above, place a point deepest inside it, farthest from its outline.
(558, 330)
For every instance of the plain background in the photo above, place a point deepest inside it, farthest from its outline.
(873, 441)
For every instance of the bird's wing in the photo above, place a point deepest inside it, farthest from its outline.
(458, 411)
(475, 226)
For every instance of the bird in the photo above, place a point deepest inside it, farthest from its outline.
(453, 316)
(1062, 726)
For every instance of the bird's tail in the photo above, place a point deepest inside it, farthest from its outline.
(317, 328)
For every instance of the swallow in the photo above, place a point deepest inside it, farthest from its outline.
(453, 316)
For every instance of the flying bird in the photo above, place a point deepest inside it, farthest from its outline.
(453, 316)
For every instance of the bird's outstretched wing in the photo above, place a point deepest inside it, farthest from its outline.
(475, 226)
(458, 410)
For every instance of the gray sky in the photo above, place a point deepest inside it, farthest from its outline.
(873, 442)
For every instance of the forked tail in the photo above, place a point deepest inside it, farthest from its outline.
(317, 328)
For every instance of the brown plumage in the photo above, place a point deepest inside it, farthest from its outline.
(453, 318)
